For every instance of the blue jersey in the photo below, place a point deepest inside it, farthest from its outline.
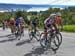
(17, 21)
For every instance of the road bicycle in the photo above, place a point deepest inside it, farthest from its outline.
(33, 34)
(19, 33)
(52, 40)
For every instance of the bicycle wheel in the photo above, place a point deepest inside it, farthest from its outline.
(37, 35)
(30, 36)
(43, 41)
(59, 37)
(18, 35)
(54, 42)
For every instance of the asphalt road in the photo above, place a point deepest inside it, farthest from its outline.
(9, 46)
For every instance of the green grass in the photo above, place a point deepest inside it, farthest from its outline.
(66, 28)
(69, 28)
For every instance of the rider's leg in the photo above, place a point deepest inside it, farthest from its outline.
(45, 34)
(56, 27)
(11, 29)
(35, 28)
(14, 29)
(17, 30)
(22, 30)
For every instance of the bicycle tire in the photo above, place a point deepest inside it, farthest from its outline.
(18, 35)
(59, 38)
(56, 46)
(43, 42)
(37, 35)
(30, 36)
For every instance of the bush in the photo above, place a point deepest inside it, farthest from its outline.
(1, 25)
(69, 28)
(26, 26)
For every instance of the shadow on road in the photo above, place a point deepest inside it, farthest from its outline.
(36, 52)
(10, 37)
(6, 40)
(23, 42)
(39, 51)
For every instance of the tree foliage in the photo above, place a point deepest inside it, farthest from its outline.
(68, 15)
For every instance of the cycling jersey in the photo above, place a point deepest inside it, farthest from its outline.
(35, 22)
(12, 22)
(17, 21)
(49, 21)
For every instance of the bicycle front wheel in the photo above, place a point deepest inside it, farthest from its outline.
(37, 35)
(54, 42)
(43, 40)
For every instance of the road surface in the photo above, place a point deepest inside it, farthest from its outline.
(9, 46)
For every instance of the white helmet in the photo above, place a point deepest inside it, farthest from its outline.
(21, 18)
(58, 14)
(53, 16)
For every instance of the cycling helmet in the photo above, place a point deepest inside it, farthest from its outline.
(58, 14)
(53, 16)
(21, 18)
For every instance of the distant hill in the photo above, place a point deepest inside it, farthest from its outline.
(4, 6)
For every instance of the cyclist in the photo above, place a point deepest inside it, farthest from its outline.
(20, 24)
(59, 20)
(3, 22)
(50, 22)
(35, 23)
(12, 25)
(33, 30)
